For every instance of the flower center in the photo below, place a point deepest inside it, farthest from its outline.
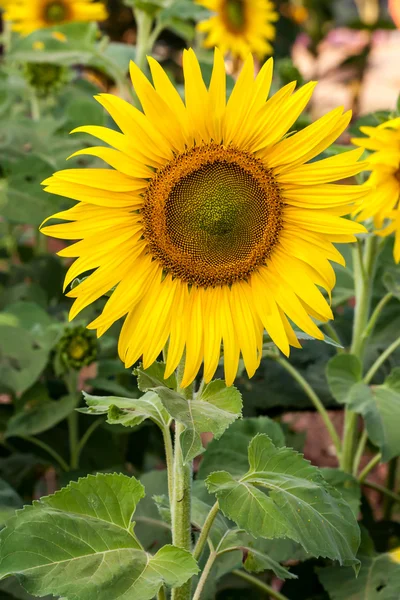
(212, 215)
(235, 15)
(397, 174)
(78, 348)
(55, 12)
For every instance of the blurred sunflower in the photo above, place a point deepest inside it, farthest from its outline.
(240, 26)
(394, 11)
(29, 15)
(211, 226)
(382, 204)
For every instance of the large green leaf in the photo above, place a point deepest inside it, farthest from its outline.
(35, 419)
(99, 557)
(153, 377)
(346, 484)
(283, 495)
(378, 579)
(213, 411)
(129, 412)
(231, 450)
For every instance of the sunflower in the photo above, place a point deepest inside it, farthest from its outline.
(240, 26)
(29, 15)
(212, 226)
(382, 204)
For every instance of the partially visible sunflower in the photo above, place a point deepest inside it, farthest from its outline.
(212, 225)
(240, 26)
(383, 202)
(29, 15)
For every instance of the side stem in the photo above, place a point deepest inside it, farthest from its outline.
(364, 268)
(144, 24)
(201, 542)
(204, 575)
(254, 581)
(315, 400)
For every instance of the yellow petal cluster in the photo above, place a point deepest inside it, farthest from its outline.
(239, 27)
(382, 204)
(29, 15)
(208, 184)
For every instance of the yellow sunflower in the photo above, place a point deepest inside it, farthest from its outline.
(240, 26)
(29, 15)
(212, 225)
(382, 204)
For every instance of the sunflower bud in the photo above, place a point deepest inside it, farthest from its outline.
(76, 349)
(46, 78)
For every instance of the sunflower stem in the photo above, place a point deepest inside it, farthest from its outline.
(379, 361)
(181, 495)
(71, 382)
(204, 575)
(254, 581)
(144, 24)
(364, 269)
(208, 523)
(314, 399)
(369, 467)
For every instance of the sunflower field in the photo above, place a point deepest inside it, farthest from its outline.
(200, 299)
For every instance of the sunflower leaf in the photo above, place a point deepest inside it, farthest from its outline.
(378, 404)
(256, 559)
(212, 411)
(129, 412)
(284, 496)
(152, 377)
(379, 576)
(100, 556)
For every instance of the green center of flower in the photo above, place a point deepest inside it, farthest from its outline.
(235, 15)
(55, 12)
(78, 348)
(212, 215)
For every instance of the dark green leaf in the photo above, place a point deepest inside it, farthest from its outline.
(283, 495)
(99, 557)
(129, 412)
(343, 371)
(212, 411)
(231, 450)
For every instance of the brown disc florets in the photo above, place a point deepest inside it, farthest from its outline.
(212, 215)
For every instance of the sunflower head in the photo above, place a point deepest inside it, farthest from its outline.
(46, 78)
(383, 202)
(213, 225)
(29, 15)
(239, 26)
(77, 348)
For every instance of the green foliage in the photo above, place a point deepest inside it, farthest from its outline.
(379, 405)
(100, 554)
(379, 578)
(299, 504)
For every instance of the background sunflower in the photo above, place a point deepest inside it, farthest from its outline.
(240, 26)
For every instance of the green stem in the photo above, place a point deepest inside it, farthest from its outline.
(63, 464)
(181, 497)
(364, 269)
(204, 575)
(391, 484)
(144, 24)
(379, 361)
(71, 381)
(169, 459)
(254, 581)
(376, 314)
(73, 439)
(201, 542)
(368, 468)
(315, 400)
(161, 594)
(84, 439)
(382, 490)
(360, 452)
(35, 108)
